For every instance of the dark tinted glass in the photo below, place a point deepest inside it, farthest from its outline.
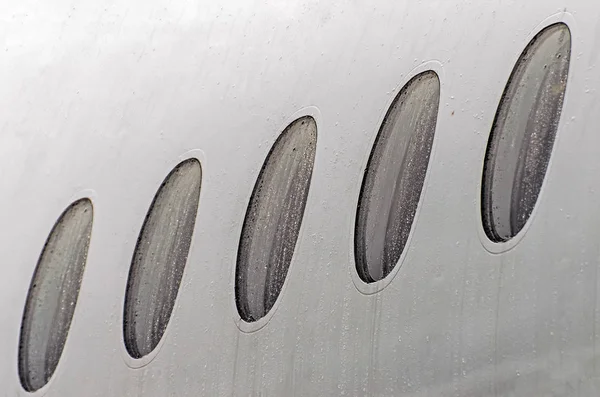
(159, 259)
(53, 295)
(394, 177)
(273, 219)
(523, 133)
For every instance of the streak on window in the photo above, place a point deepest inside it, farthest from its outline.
(394, 177)
(273, 219)
(53, 295)
(523, 133)
(159, 259)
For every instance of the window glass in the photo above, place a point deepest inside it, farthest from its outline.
(53, 295)
(273, 219)
(394, 177)
(523, 133)
(159, 259)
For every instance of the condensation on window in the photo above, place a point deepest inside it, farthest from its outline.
(159, 259)
(53, 295)
(394, 177)
(273, 219)
(523, 133)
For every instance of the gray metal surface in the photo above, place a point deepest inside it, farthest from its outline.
(103, 99)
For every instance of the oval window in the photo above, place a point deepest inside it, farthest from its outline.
(523, 133)
(53, 295)
(159, 259)
(273, 219)
(394, 177)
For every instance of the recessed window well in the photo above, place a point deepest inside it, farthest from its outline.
(523, 133)
(159, 259)
(273, 219)
(53, 295)
(394, 178)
